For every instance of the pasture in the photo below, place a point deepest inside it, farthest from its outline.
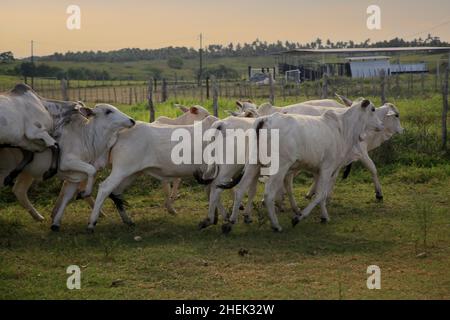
(167, 257)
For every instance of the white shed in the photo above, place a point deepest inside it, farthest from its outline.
(367, 67)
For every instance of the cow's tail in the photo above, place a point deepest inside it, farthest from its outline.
(347, 171)
(258, 125)
(198, 175)
(212, 169)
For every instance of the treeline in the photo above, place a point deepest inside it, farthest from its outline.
(255, 48)
(30, 69)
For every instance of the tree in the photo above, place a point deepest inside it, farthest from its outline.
(27, 69)
(6, 57)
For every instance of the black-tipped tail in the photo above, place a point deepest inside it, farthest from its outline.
(198, 176)
(347, 171)
(236, 179)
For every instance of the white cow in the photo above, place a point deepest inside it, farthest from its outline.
(85, 143)
(189, 116)
(388, 114)
(223, 176)
(24, 121)
(154, 146)
(322, 144)
(27, 122)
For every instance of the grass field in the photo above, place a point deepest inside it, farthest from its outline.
(407, 235)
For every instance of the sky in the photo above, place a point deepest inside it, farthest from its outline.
(108, 25)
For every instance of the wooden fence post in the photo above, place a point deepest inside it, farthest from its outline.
(383, 86)
(215, 98)
(151, 106)
(65, 97)
(207, 88)
(445, 109)
(325, 86)
(164, 95)
(272, 90)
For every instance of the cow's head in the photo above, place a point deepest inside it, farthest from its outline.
(194, 113)
(371, 118)
(246, 105)
(392, 120)
(108, 116)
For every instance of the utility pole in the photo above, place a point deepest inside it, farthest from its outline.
(32, 64)
(200, 73)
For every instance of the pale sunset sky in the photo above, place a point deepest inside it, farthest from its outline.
(107, 25)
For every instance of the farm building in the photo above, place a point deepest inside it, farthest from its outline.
(355, 62)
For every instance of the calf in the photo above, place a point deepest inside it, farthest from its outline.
(85, 144)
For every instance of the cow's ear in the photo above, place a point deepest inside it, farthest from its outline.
(346, 101)
(81, 103)
(239, 104)
(87, 112)
(193, 110)
(365, 103)
(249, 114)
(182, 108)
(249, 101)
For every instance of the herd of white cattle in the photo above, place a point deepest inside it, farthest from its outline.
(40, 138)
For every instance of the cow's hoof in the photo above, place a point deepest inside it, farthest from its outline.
(90, 230)
(204, 224)
(323, 220)
(226, 228)
(39, 218)
(277, 229)
(172, 211)
(55, 228)
(379, 197)
(130, 223)
(241, 207)
(295, 220)
(248, 219)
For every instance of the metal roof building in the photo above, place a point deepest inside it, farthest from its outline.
(354, 62)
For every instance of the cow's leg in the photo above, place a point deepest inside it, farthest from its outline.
(117, 197)
(89, 200)
(251, 173)
(368, 163)
(28, 156)
(312, 190)
(167, 197)
(250, 197)
(20, 190)
(288, 182)
(68, 191)
(322, 190)
(274, 184)
(175, 185)
(81, 166)
(106, 188)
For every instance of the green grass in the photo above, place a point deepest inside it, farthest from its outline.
(143, 70)
(406, 235)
